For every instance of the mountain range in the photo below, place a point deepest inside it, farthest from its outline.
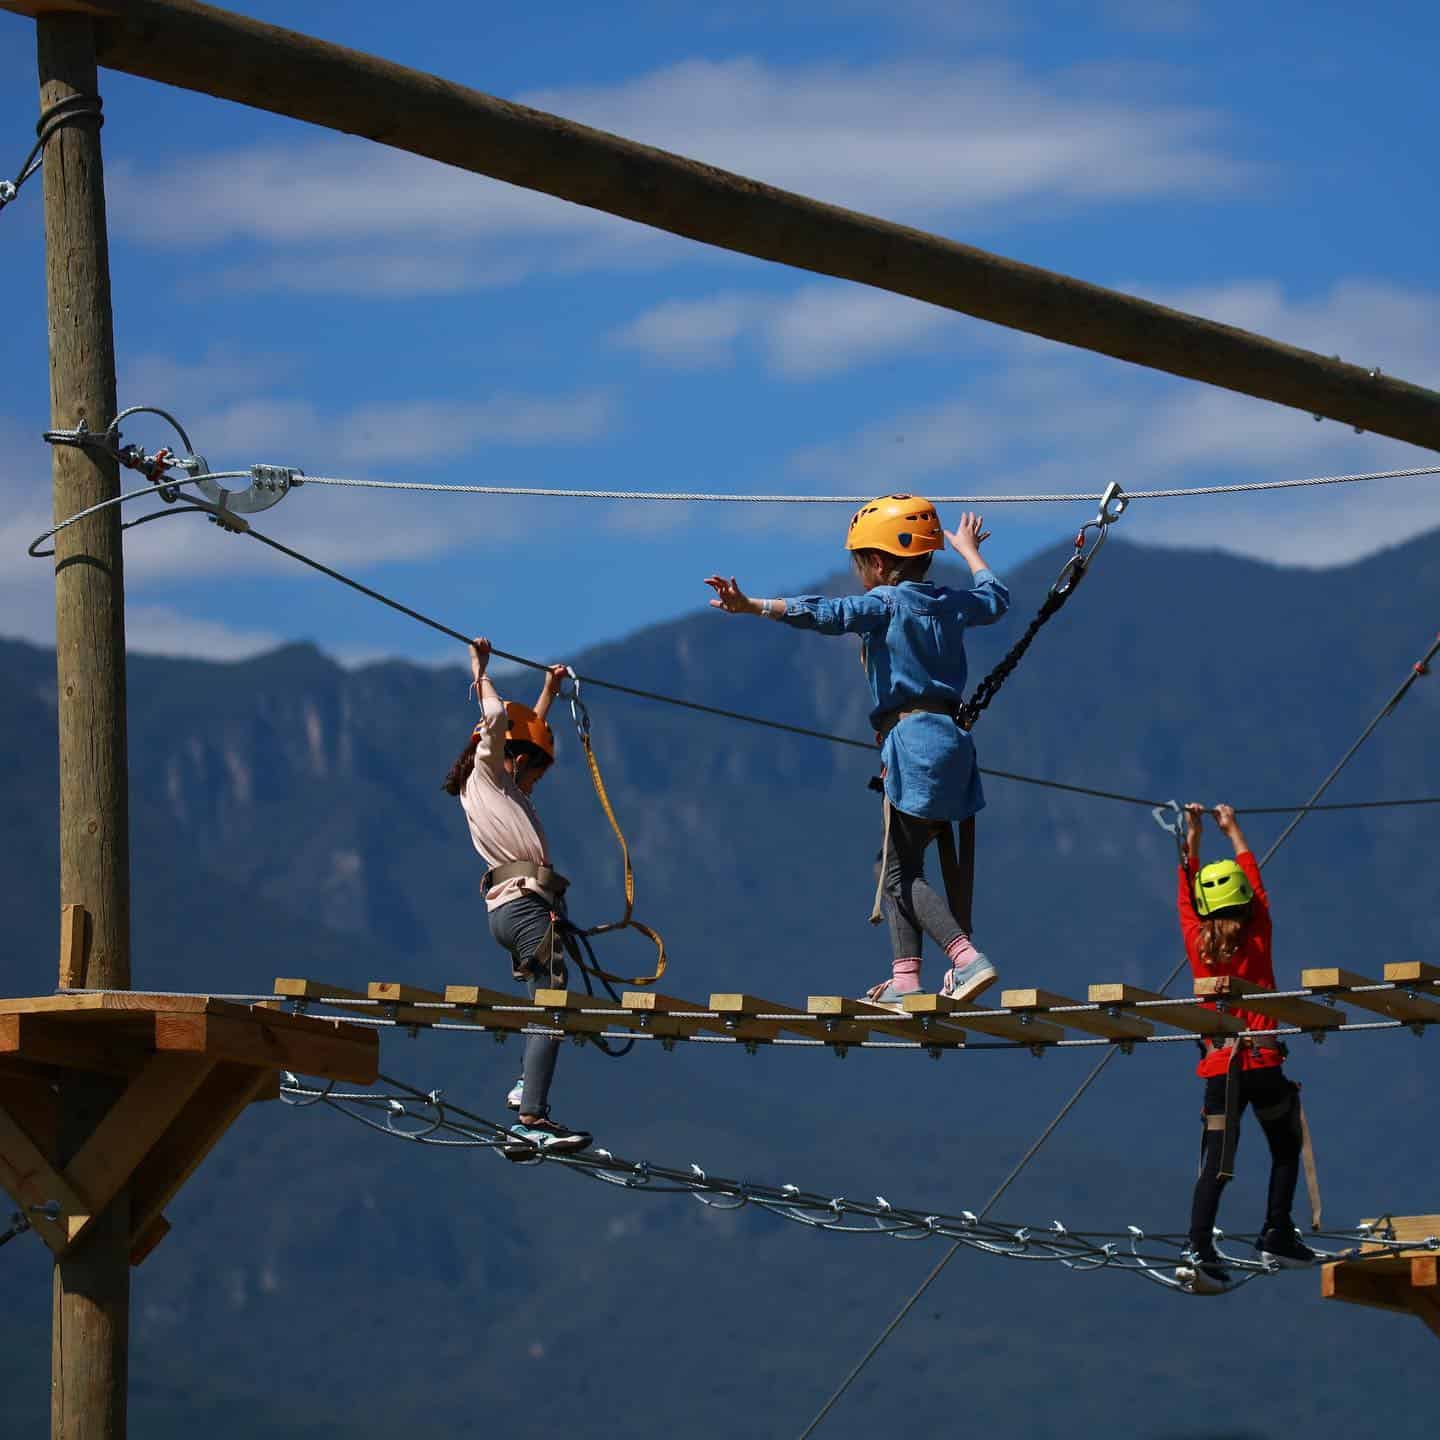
(324, 1281)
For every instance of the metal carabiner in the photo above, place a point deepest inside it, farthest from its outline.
(1170, 817)
(578, 713)
(1113, 504)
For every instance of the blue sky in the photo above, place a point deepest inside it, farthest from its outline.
(313, 300)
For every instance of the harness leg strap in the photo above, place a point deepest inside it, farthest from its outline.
(1230, 1120)
(957, 867)
(875, 915)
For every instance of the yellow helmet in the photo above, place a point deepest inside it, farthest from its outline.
(897, 524)
(1221, 887)
(527, 726)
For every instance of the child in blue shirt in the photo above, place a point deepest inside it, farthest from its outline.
(913, 648)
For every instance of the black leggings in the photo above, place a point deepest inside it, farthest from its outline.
(912, 905)
(1275, 1100)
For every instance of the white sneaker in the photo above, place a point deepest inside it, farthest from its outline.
(517, 1092)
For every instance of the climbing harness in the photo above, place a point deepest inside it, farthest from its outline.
(72, 110)
(1112, 507)
(581, 716)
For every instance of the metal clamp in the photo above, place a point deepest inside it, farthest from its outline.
(578, 713)
(1113, 504)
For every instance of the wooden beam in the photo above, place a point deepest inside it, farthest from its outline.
(1095, 1022)
(214, 1107)
(45, 1041)
(197, 47)
(29, 1178)
(1180, 1014)
(143, 1244)
(1338, 1281)
(572, 1005)
(1292, 1010)
(1413, 972)
(334, 1049)
(1394, 1004)
(74, 946)
(34, 1105)
(1024, 1028)
(131, 1128)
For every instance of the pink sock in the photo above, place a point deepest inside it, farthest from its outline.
(961, 951)
(905, 974)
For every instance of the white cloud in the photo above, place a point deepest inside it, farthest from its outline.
(916, 142)
(160, 630)
(817, 330)
(1056, 421)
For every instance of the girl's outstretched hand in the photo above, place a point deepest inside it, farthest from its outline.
(1225, 818)
(729, 596)
(970, 534)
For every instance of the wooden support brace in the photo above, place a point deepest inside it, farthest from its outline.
(132, 1126)
(31, 1181)
(43, 1040)
(1393, 1004)
(1290, 1010)
(75, 931)
(1094, 1022)
(142, 1245)
(34, 1105)
(209, 1113)
(1176, 1013)
(995, 1023)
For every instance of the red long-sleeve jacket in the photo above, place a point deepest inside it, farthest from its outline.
(1250, 962)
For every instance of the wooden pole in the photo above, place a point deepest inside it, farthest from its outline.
(91, 1306)
(197, 47)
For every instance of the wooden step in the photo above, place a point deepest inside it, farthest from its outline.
(1393, 1004)
(884, 1019)
(1179, 1014)
(798, 1022)
(478, 998)
(996, 1023)
(1413, 972)
(650, 1003)
(1258, 1000)
(1094, 1022)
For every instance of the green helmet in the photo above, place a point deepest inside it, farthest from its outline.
(1221, 886)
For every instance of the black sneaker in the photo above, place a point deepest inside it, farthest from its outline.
(1285, 1249)
(1203, 1274)
(550, 1136)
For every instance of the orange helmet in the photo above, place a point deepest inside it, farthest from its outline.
(897, 524)
(527, 726)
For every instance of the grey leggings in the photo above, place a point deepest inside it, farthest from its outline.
(522, 927)
(911, 904)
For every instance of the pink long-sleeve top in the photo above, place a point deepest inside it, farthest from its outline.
(503, 823)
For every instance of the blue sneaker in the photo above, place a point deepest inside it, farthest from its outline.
(550, 1136)
(885, 993)
(965, 982)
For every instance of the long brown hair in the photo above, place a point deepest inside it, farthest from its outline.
(1220, 937)
(454, 782)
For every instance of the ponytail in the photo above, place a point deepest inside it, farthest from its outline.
(454, 782)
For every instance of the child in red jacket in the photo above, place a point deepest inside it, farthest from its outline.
(1225, 919)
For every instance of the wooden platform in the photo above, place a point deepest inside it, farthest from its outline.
(184, 1067)
(1119, 1013)
(1405, 1282)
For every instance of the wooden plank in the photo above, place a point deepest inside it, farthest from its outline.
(74, 946)
(288, 989)
(1259, 1001)
(745, 1007)
(1340, 1281)
(214, 1107)
(1176, 1013)
(336, 1050)
(114, 1007)
(572, 1005)
(884, 1020)
(45, 1040)
(995, 1023)
(1095, 1022)
(1416, 1228)
(142, 1245)
(1412, 972)
(146, 1108)
(484, 1001)
(30, 1180)
(1424, 1272)
(196, 47)
(649, 1002)
(1393, 1004)
(404, 998)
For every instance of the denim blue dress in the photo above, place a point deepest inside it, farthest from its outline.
(913, 647)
